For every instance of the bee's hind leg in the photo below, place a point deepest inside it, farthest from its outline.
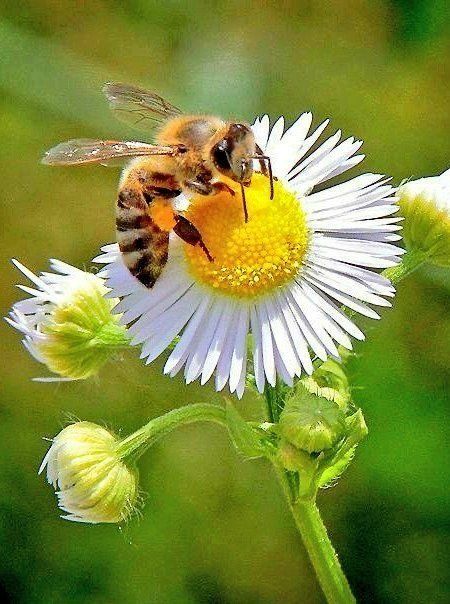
(190, 234)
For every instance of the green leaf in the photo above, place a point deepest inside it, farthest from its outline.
(245, 438)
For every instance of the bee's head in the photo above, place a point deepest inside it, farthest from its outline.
(233, 154)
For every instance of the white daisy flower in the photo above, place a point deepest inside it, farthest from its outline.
(281, 277)
(67, 321)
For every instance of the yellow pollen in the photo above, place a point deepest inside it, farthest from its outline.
(253, 258)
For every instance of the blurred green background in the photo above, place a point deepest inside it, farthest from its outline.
(215, 529)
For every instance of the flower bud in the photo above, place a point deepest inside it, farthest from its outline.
(93, 482)
(68, 323)
(425, 204)
(330, 380)
(312, 422)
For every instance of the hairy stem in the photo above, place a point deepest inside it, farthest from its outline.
(411, 261)
(309, 523)
(133, 446)
(318, 545)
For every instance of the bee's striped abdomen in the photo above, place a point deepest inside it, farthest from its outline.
(143, 243)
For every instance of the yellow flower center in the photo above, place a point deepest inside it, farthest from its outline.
(253, 258)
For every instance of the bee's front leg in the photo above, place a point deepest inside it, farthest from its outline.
(190, 234)
(208, 188)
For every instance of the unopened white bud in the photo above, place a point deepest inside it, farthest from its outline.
(92, 481)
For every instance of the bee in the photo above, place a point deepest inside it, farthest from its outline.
(192, 154)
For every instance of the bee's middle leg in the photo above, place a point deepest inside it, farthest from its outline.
(190, 234)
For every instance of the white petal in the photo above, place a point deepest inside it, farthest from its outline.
(314, 318)
(261, 131)
(349, 186)
(343, 167)
(343, 266)
(311, 139)
(281, 368)
(267, 344)
(306, 329)
(241, 385)
(275, 136)
(224, 362)
(282, 339)
(195, 355)
(189, 333)
(31, 276)
(296, 134)
(373, 248)
(318, 154)
(257, 350)
(344, 299)
(298, 339)
(239, 355)
(218, 340)
(332, 310)
(158, 335)
(347, 285)
(152, 304)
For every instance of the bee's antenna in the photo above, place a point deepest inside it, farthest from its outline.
(244, 203)
(269, 165)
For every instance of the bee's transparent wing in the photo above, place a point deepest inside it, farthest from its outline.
(138, 107)
(88, 151)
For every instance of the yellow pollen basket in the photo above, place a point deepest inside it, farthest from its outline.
(250, 259)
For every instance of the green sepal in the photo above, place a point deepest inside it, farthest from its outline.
(331, 474)
(330, 379)
(244, 437)
(296, 460)
(356, 429)
(333, 467)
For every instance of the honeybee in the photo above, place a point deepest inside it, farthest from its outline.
(192, 154)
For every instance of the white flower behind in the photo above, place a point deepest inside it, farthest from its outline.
(282, 277)
(67, 321)
(434, 188)
(425, 204)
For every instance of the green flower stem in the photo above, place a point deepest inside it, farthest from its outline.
(318, 545)
(411, 261)
(308, 521)
(133, 446)
(274, 402)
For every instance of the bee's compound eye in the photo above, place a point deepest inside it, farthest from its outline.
(220, 155)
